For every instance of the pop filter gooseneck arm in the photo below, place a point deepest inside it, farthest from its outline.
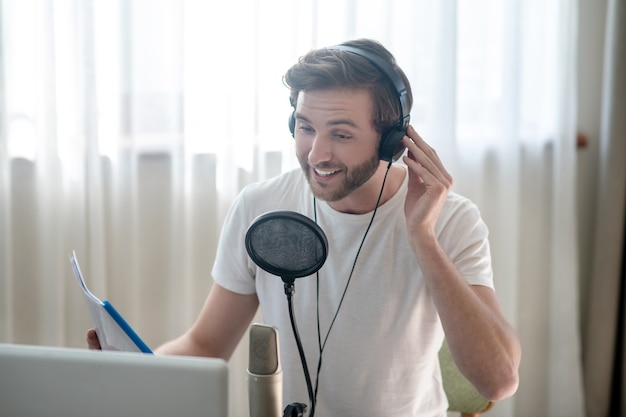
(289, 245)
(297, 409)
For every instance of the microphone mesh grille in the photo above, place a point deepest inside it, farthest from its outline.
(263, 358)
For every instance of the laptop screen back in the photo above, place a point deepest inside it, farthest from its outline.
(51, 381)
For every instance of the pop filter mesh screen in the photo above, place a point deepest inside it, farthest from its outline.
(285, 246)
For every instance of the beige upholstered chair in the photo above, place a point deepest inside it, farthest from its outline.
(462, 396)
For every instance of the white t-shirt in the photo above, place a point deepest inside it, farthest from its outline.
(381, 355)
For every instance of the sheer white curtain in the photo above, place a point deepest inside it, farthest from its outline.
(127, 128)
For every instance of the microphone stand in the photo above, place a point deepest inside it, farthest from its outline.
(304, 238)
(298, 409)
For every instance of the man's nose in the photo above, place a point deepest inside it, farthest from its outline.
(321, 151)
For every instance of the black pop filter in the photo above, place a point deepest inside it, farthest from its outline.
(286, 244)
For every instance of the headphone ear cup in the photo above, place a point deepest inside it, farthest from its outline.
(292, 123)
(391, 146)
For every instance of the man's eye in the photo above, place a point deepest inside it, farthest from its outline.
(305, 129)
(342, 136)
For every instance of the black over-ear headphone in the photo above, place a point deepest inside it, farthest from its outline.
(391, 146)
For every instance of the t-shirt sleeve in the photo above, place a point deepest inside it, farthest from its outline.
(233, 268)
(465, 238)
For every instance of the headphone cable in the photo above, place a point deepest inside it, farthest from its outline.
(319, 335)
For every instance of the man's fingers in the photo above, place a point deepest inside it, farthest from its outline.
(92, 340)
(426, 156)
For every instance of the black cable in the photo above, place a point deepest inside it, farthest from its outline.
(319, 336)
(289, 290)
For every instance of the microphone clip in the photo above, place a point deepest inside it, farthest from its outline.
(295, 410)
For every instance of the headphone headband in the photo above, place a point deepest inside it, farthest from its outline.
(391, 74)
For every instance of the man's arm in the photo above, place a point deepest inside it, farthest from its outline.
(216, 333)
(223, 320)
(483, 344)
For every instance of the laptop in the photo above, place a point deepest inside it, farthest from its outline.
(68, 382)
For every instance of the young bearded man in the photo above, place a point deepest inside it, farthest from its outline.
(408, 261)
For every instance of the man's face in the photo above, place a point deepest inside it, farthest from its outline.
(336, 143)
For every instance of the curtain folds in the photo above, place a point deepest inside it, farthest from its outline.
(604, 378)
(127, 128)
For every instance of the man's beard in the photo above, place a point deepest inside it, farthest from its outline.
(353, 178)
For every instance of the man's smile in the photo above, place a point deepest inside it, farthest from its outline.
(324, 173)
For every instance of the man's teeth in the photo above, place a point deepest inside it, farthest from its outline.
(324, 173)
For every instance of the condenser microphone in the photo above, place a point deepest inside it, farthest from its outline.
(265, 376)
